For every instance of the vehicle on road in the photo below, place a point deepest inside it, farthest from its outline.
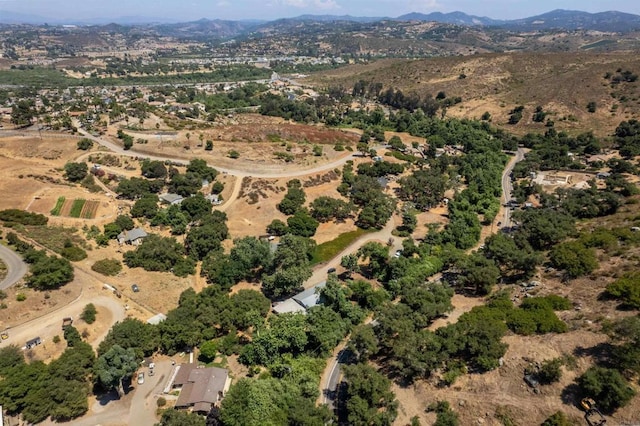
(67, 322)
(140, 378)
(4, 335)
(331, 271)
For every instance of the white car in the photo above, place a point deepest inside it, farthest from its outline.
(140, 378)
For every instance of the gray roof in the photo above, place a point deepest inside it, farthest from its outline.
(157, 319)
(310, 297)
(171, 198)
(201, 387)
(134, 234)
(288, 306)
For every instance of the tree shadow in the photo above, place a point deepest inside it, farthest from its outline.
(107, 397)
(601, 353)
(571, 395)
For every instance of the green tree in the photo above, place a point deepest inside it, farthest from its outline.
(369, 396)
(75, 172)
(574, 258)
(88, 314)
(208, 351)
(425, 188)
(85, 144)
(277, 228)
(302, 224)
(196, 207)
(606, 386)
(131, 333)
(49, 273)
(72, 336)
(114, 366)
(153, 169)
(445, 416)
(292, 201)
(350, 263)
(363, 342)
(147, 206)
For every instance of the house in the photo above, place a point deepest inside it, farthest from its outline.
(288, 306)
(171, 198)
(156, 319)
(133, 237)
(200, 388)
(310, 297)
(301, 301)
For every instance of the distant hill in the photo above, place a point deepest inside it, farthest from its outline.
(557, 19)
(458, 18)
(572, 20)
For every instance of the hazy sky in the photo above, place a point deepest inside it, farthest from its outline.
(271, 9)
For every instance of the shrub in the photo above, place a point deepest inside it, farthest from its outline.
(161, 401)
(109, 267)
(233, 154)
(73, 253)
(3, 295)
(607, 386)
(56, 339)
(558, 419)
(22, 217)
(550, 371)
(85, 144)
(21, 297)
(626, 289)
(88, 315)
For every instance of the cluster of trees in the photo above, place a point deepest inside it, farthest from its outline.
(628, 138)
(36, 390)
(16, 216)
(162, 254)
(367, 193)
(300, 222)
(46, 272)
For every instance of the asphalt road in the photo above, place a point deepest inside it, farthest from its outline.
(16, 267)
(507, 186)
(335, 374)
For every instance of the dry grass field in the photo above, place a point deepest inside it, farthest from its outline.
(562, 83)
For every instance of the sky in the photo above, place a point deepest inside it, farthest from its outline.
(182, 10)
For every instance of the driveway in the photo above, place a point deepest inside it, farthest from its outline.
(16, 267)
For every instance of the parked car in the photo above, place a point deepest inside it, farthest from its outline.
(135, 288)
(140, 378)
(331, 271)
(398, 253)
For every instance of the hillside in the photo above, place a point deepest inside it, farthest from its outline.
(562, 83)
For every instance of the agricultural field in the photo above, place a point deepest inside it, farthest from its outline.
(78, 208)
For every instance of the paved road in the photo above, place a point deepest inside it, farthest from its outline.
(333, 371)
(507, 186)
(16, 267)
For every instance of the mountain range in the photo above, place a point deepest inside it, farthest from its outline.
(611, 21)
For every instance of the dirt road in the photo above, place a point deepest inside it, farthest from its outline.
(49, 325)
(276, 172)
